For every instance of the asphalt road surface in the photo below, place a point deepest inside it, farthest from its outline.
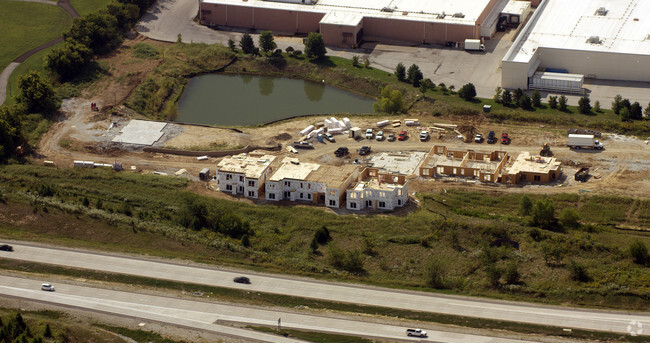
(564, 317)
(209, 316)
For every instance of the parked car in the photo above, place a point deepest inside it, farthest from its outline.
(391, 137)
(329, 137)
(242, 279)
(365, 150)
(424, 135)
(341, 151)
(303, 145)
(505, 139)
(478, 138)
(47, 287)
(380, 136)
(6, 247)
(402, 136)
(369, 134)
(416, 332)
(491, 138)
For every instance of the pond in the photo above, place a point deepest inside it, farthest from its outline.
(240, 100)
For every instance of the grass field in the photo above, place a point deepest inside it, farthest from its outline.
(453, 239)
(88, 6)
(35, 62)
(26, 25)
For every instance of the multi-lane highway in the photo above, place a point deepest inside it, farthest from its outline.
(611, 321)
(209, 316)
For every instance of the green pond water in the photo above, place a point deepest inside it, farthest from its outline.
(220, 99)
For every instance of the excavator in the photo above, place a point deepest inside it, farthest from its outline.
(546, 150)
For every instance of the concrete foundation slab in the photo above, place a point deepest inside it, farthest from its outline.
(141, 132)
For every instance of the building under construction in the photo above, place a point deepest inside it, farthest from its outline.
(495, 166)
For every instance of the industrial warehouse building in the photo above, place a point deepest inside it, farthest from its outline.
(567, 41)
(345, 23)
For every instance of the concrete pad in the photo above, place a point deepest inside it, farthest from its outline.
(397, 162)
(141, 132)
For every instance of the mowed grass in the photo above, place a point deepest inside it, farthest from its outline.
(26, 25)
(460, 230)
(34, 62)
(88, 6)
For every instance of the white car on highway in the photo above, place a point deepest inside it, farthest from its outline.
(47, 287)
(416, 332)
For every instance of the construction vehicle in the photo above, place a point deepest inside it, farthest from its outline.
(582, 174)
(546, 150)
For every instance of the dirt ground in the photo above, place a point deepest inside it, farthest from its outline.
(81, 134)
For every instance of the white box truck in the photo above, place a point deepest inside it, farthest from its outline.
(584, 141)
(474, 44)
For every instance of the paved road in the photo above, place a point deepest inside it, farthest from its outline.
(6, 73)
(209, 315)
(611, 321)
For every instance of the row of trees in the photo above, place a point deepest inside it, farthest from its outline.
(314, 45)
(627, 110)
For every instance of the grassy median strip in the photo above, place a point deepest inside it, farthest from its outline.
(266, 299)
(310, 336)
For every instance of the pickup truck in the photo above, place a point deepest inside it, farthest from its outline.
(478, 138)
(369, 134)
(303, 145)
(416, 332)
(365, 150)
(341, 151)
(491, 138)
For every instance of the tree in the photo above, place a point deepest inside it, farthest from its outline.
(536, 98)
(355, 61)
(322, 235)
(443, 87)
(636, 112)
(493, 274)
(584, 106)
(179, 38)
(126, 14)
(626, 104)
(231, 45)
(48, 331)
(85, 202)
(497, 95)
(553, 253)
(313, 245)
(552, 101)
(98, 31)
(467, 92)
(639, 252)
(597, 106)
(562, 103)
(517, 94)
(506, 97)
(570, 218)
(366, 63)
(289, 49)
(616, 104)
(36, 95)
(414, 75)
(400, 71)
(266, 41)
(246, 44)
(390, 102)
(646, 112)
(315, 46)
(525, 205)
(67, 60)
(9, 130)
(524, 102)
(543, 215)
(511, 274)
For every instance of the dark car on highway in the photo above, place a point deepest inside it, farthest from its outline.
(242, 279)
(6, 247)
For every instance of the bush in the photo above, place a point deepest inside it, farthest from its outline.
(232, 47)
(145, 51)
(543, 215)
(639, 252)
(355, 61)
(390, 102)
(506, 97)
(511, 274)
(289, 49)
(552, 101)
(245, 241)
(536, 98)
(516, 95)
(435, 274)
(562, 103)
(525, 205)
(497, 95)
(617, 104)
(366, 63)
(578, 272)
(524, 102)
(322, 235)
(467, 92)
(597, 106)
(315, 46)
(570, 218)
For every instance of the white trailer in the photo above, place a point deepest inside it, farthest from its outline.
(584, 141)
(474, 45)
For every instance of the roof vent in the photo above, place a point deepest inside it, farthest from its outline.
(459, 15)
(441, 15)
(387, 9)
(602, 11)
(594, 40)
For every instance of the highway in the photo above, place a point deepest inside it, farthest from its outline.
(208, 316)
(564, 317)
